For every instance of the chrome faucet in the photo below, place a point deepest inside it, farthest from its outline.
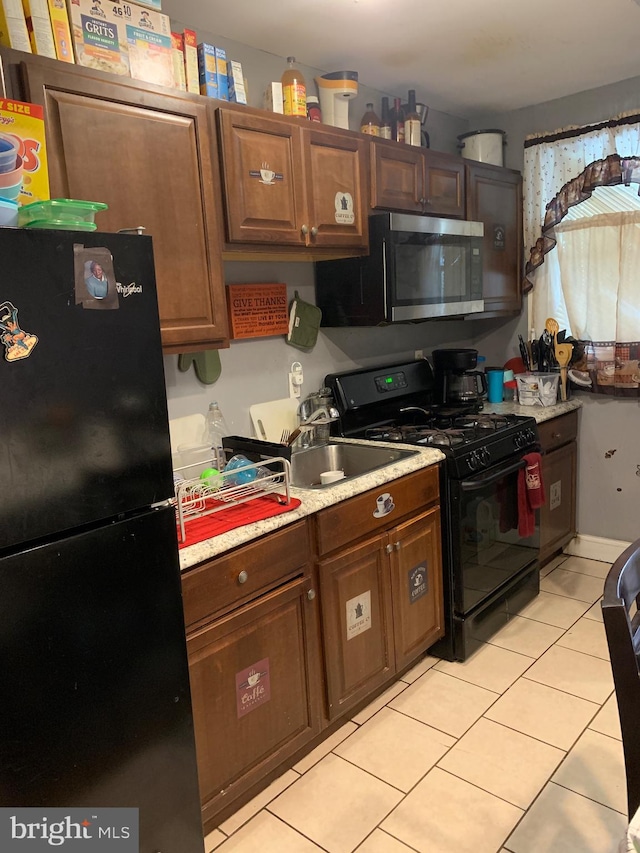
(315, 413)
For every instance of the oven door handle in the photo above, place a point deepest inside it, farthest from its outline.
(473, 483)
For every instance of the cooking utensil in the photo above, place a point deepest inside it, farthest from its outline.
(293, 436)
(563, 356)
(524, 354)
(552, 326)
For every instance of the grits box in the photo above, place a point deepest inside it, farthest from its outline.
(25, 122)
(99, 35)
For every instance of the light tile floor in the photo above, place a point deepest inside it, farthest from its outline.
(514, 751)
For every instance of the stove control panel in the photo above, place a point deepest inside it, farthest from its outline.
(524, 438)
(391, 382)
(478, 459)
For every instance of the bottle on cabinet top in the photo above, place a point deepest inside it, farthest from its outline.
(385, 122)
(412, 124)
(313, 108)
(397, 121)
(294, 91)
(370, 123)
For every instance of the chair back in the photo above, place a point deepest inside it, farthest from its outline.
(622, 626)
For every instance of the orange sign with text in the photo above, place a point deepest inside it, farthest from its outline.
(257, 310)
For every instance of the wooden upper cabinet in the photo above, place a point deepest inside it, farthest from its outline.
(416, 180)
(286, 184)
(397, 177)
(444, 185)
(262, 175)
(146, 153)
(335, 181)
(494, 197)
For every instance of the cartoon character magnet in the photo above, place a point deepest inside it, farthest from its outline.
(95, 280)
(17, 343)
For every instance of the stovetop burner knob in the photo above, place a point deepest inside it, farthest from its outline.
(520, 440)
(474, 461)
(485, 455)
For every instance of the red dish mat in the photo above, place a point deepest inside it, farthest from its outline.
(198, 529)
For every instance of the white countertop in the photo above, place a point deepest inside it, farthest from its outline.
(540, 413)
(313, 500)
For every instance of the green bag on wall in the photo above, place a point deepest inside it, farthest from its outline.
(304, 323)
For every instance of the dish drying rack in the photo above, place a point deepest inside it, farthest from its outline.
(196, 498)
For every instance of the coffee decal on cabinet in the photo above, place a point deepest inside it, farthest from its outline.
(266, 175)
(418, 585)
(344, 209)
(253, 687)
(384, 505)
(358, 614)
(499, 239)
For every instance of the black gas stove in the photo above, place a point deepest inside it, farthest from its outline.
(490, 572)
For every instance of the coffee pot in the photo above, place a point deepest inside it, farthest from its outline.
(457, 382)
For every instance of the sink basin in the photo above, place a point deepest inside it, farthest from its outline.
(353, 459)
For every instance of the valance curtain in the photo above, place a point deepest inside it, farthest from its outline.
(585, 271)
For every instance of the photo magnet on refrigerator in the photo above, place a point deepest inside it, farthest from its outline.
(95, 278)
(17, 343)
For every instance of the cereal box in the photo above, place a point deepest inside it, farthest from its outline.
(149, 41)
(273, 97)
(191, 61)
(221, 71)
(36, 14)
(207, 70)
(13, 27)
(237, 92)
(99, 36)
(177, 52)
(60, 30)
(25, 122)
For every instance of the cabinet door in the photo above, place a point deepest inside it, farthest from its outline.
(147, 155)
(416, 584)
(444, 185)
(357, 624)
(397, 177)
(558, 515)
(494, 197)
(262, 175)
(335, 176)
(254, 678)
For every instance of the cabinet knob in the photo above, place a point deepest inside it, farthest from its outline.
(556, 435)
(397, 546)
(311, 594)
(314, 231)
(305, 229)
(389, 549)
(243, 577)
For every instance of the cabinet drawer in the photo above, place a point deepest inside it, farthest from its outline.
(558, 431)
(218, 585)
(376, 509)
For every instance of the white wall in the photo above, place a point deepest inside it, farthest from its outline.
(608, 486)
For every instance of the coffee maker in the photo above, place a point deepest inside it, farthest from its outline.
(457, 381)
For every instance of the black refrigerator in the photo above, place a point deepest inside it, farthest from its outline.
(95, 708)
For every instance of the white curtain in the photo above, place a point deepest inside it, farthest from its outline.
(589, 282)
(548, 166)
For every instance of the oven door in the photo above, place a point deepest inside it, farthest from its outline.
(487, 551)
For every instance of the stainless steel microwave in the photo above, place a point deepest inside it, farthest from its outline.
(418, 268)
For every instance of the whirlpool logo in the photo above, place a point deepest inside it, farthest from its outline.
(33, 830)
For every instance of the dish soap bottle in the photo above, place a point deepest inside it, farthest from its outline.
(215, 429)
(294, 91)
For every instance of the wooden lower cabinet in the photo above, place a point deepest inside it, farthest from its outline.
(382, 602)
(252, 642)
(416, 586)
(357, 626)
(559, 473)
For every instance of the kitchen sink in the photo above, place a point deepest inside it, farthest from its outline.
(354, 459)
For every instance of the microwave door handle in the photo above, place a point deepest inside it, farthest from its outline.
(473, 484)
